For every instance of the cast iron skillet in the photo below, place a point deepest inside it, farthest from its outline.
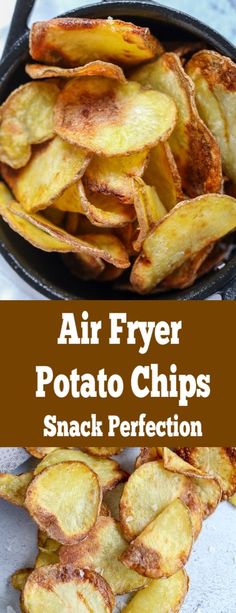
(46, 272)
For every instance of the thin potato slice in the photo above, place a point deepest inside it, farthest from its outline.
(104, 452)
(92, 69)
(187, 273)
(195, 149)
(101, 551)
(108, 471)
(53, 167)
(161, 595)
(219, 462)
(56, 588)
(65, 501)
(214, 77)
(26, 118)
(148, 491)
(105, 211)
(149, 210)
(40, 452)
(73, 42)
(84, 266)
(69, 200)
(196, 456)
(188, 228)
(162, 173)
(112, 500)
(114, 175)
(19, 578)
(13, 488)
(111, 118)
(164, 545)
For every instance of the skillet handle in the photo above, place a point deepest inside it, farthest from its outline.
(18, 23)
(229, 291)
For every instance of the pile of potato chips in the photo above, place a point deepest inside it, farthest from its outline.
(121, 155)
(103, 532)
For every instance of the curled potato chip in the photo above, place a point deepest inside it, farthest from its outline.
(214, 77)
(92, 69)
(147, 454)
(195, 149)
(112, 500)
(114, 175)
(187, 273)
(149, 210)
(162, 173)
(53, 167)
(26, 118)
(73, 42)
(69, 200)
(164, 545)
(188, 228)
(105, 211)
(84, 266)
(219, 462)
(196, 456)
(103, 451)
(111, 118)
(19, 578)
(50, 588)
(148, 491)
(161, 595)
(65, 500)
(39, 452)
(13, 488)
(101, 551)
(108, 471)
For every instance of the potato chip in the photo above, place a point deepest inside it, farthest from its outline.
(101, 551)
(26, 119)
(187, 273)
(105, 211)
(148, 491)
(233, 500)
(162, 173)
(114, 175)
(111, 118)
(45, 543)
(188, 228)
(84, 266)
(13, 487)
(53, 167)
(103, 451)
(50, 588)
(92, 69)
(149, 210)
(19, 578)
(74, 42)
(45, 558)
(108, 471)
(65, 501)
(112, 500)
(194, 147)
(69, 200)
(196, 456)
(164, 545)
(39, 452)
(161, 595)
(147, 454)
(214, 77)
(219, 462)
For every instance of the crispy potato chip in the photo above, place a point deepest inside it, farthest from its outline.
(13, 488)
(65, 500)
(148, 491)
(147, 454)
(114, 175)
(45, 558)
(176, 464)
(111, 118)
(112, 500)
(149, 210)
(196, 456)
(214, 77)
(194, 147)
(84, 266)
(53, 167)
(162, 173)
(187, 273)
(164, 545)
(19, 578)
(69, 200)
(45, 543)
(108, 471)
(103, 451)
(188, 228)
(50, 588)
(105, 211)
(233, 500)
(101, 551)
(161, 595)
(39, 452)
(26, 118)
(73, 42)
(219, 462)
(92, 69)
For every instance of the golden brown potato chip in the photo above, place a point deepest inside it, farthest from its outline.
(84, 266)
(65, 501)
(111, 118)
(74, 42)
(214, 77)
(196, 456)
(164, 545)
(69, 200)
(162, 173)
(112, 500)
(149, 210)
(108, 471)
(26, 118)
(53, 167)
(105, 211)
(147, 454)
(101, 551)
(187, 273)
(103, 451)
(195, 149)
(39, 452)
(45, 558)
(92, 69)
(114, 175)
(219, 462)
(45, 543)
(50, 588)
(148, 491)
(161, 595)
(13, 488)
(188, 228)
(19, 578)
